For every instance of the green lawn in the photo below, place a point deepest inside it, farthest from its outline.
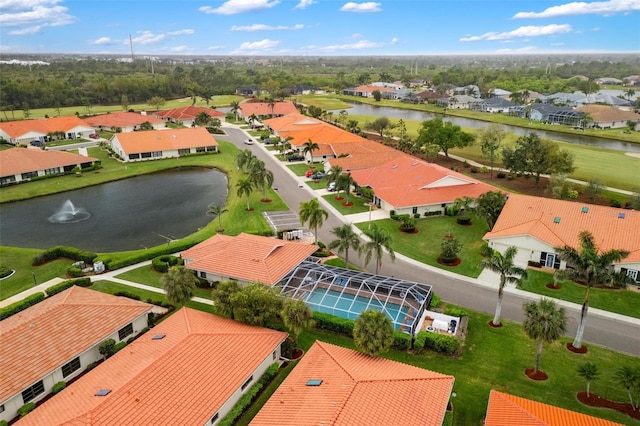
(149, 276)
(425, 245)
(621, 301)
(301, 169)
(357, 207)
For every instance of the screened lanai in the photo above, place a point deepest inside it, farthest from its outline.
(346, 293)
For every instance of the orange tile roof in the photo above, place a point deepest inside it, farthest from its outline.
(407, 181)
(183, 378)
(600, 113)
(164, 140)
(16, 129)
(370, 88)
(356, 389)
(321, 133)
(291, 122)
(15, 161)
(263, 108)
(535, 216)
(188, 112)
(359, 161)
(121, 119)
(43, 337)
(263, 259)
(508, 410)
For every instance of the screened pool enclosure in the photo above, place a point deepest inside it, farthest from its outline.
(346, 293)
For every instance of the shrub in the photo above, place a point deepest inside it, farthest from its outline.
(127, 294)
(474, 170)
(107, 348)
(146, 255)
(4, 423)
(450, 249)
(91, 366)
(401, 341)
(484, 169)
(501, 175)
(74, 271)
(392, 213)
(58, 387)
(333, 324)
(465, 164)
(5, 271)
(614, 203)
(21, 305)
(441, 343)
(418, 343)
(416, 215)
(454, 311)
(573, 194)
(164, 262)
(63, 251)
(57, 288)
(322, 245)
(119, 347)
(435, 301)
(26, 409)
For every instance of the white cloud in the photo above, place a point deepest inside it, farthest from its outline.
(557, 44)
(610, 7)
(147, 37)
(528, 31)
(215, 47)
(262, 27)
(33, 15)
(233, 7)
(358, 45)
(356, 35)
(520, 50)
(180, 49)
(182, 32)
(103, 40)
(304, 4)
(265, 44)
(365, 7)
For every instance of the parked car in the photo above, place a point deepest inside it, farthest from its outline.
(248, 141)
(308, 173)
(94, 136)
(37, 143)
(295, 157)
(331, 187)
(317, 175)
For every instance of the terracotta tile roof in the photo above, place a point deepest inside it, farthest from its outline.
(262, 259)
(407, 181)
(291, 122)
(535, 216)
(358, 161)
(263, 108)
(187, 113)
(15, 161)
(508, 410)
(321, 133)
(183, 378)
(16, 129)
(42, 338)
(370, 89)
(165, 140)
(356, 389)
(121, 119)
(606, 113)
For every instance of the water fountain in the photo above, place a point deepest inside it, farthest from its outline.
(69, 213)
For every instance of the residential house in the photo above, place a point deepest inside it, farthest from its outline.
(44, 129)
(608, 117)
(578, 99)
(361, 155)
(546, 113)
(245, 258)
(332, 385)
(305, 89)
(470, 89)
(124, 121)
(495, 104)
(56, 339)
(632, 80)
(408, 185)
(191, 369)
(366, 91)
(263, 110)
(23, 164)
(157, 144)
(501, 93)
(537, 225)
(505, 409)
(608, 81)
(251, 90)
(457, 102)
(187, 115)
(431, 96)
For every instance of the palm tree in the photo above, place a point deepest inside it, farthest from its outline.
(352, 126)
(346, 239)
(379, 239)
(334, 174)
(178, 284)
(217, 211)
(373, 332)
(286, 144)
(589, 267)
(244, 160)
(272, 104)
(252, 119)
(344, 182)
(245, 187)
(296, 316)
(545, 322)
(629, 93)
(312, 213)
(202, 119)
(235, 107)
(308, 147)
(261, 177)
(589, 372)
(344, 114)
(629, 378)
(509, 273)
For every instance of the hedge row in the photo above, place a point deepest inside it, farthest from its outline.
(441, 343)
(21, 305)
(419, 341)
(162, 263)
(63, 251)
(401, 341)
(248, 397)
(57, 288)
(333, 324)
(149, 254)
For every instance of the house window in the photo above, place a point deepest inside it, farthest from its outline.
(125, 331)
(1, 408)
(215, 417)
(51, 171)
(550, 260)
(145, 155)
(211, 148)
(184, 151)
(156, 154)
(8, 179)
(70, 367)
(134, 156)
(200, 149)
(203, 274)
(247, 383)
(29, 175)
(632, 273)
(414, 210)
(31, 392)
(274, 355)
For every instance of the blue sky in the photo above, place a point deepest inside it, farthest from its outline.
(319, 27)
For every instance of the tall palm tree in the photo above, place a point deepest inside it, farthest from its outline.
(178, 284)
(244, 160)
(252, 119)
(261, 177)
(312, 213)
(296, 316)
(334, 174)
(509, 273)
(217, 211)
(379, 240)
(235, 107)
(589, 372)
(590, 267)
(202, 119)
(272, 105)
(629, 378)
(245, 187)
(545, 322)
(346, 239)
(344, 183)
(308, 147)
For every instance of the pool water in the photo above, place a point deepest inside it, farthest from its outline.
(349, 306)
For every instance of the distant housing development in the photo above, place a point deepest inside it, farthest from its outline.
(186, 115)
(44, 129)
(123, 121)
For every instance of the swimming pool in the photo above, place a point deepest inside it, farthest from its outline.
(348, 306)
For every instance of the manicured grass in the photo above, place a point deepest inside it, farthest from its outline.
(621, 301)
(325, 102)
(339, 262)
(149, 276)
(497, 358)
(424, 246)
(357, 207)
(301, 169)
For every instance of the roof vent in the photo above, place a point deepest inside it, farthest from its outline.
(158, 337)
(414, 163)
(620, 215)
(103, 392)
(395, 166)
(556, 219)
(585, 209)
(314, 382)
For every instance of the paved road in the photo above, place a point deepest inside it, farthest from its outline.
(609, 330)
